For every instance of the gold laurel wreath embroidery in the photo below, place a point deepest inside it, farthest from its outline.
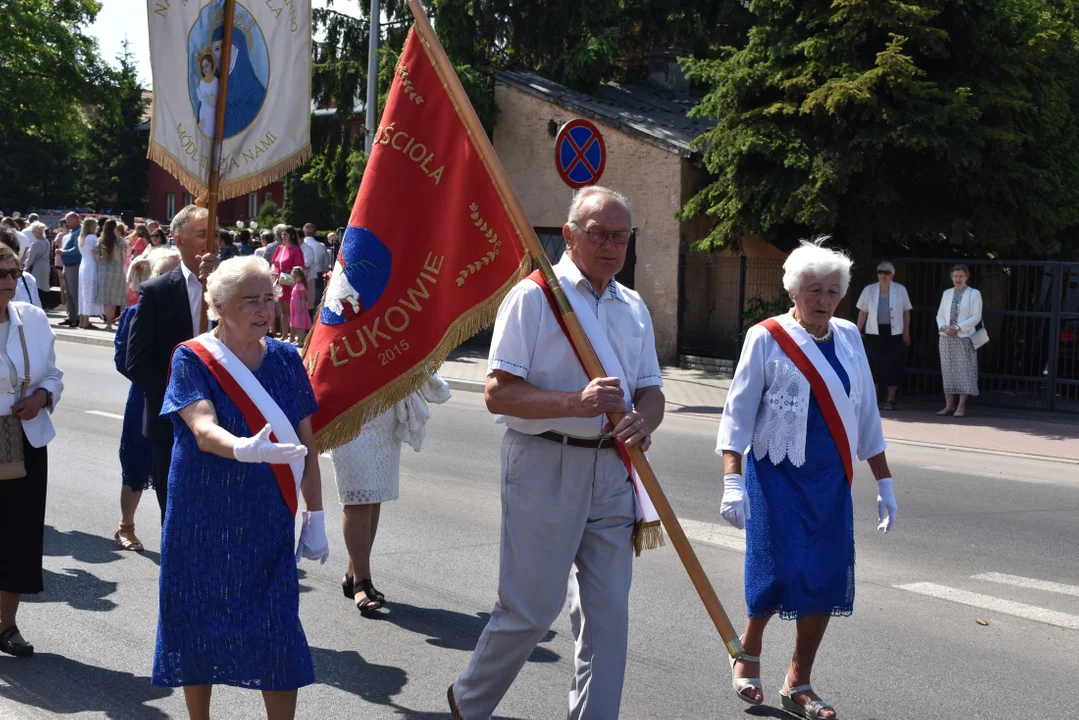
(492, 238)
(406, 84)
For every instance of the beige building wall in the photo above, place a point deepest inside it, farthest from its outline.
(649, 176)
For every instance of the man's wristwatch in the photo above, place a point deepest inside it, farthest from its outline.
(48, 397)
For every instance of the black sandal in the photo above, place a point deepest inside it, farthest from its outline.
(348, 586)
(370, 597)
(18, 649)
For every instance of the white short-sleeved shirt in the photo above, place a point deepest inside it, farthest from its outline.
(898, 303)
(529, 343)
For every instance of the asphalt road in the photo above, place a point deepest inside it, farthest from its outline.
(979, 537)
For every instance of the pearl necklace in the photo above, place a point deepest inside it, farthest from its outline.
(823, 339)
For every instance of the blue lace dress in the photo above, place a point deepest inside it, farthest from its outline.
(136, 451)
(230, 599)
(800, 534)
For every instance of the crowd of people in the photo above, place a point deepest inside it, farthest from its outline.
(218, 423)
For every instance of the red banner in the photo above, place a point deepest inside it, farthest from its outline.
(429, 253)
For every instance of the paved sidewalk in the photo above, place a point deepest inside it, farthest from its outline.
(700, 394)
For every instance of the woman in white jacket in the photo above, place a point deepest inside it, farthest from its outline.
(801, 409)
(30, 387)
(958, 316)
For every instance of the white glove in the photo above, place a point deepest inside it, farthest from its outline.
(259, 449)
(313, 544)
(886, 507)
(735, 505)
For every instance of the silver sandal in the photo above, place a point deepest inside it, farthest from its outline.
(742, 684)
(810, 711)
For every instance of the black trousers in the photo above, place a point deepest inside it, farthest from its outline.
(22, 524)
(160, 470)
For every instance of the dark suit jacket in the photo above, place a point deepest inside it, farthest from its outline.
(162, 321)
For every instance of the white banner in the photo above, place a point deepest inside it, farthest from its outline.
(268, 104)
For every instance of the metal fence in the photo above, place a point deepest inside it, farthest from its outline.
(1031, 312)
(719, 295)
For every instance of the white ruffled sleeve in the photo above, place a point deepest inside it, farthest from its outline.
(744, 397)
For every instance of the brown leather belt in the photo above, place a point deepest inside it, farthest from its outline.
(604, 442)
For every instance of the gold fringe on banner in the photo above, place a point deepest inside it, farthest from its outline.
(647, 536)
(347, 426)
(228, 190)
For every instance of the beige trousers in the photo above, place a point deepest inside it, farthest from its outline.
(566, 511)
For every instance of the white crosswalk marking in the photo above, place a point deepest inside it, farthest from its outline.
(1029, 583)
(993, 604)
(102, 413)
(723, 536)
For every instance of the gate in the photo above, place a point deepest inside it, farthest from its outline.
(1031, 312)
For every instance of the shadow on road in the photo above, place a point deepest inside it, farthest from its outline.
(87, 548)
(80, 589)
(62, 686)
(452, 630)
(347, 670)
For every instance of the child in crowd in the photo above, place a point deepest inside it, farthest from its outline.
(299, 316)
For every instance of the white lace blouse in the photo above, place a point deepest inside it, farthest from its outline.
(767, 406)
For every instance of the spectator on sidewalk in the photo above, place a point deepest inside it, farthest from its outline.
(71, 257)
(794, 500)
(136, 450)
(169, 312)
(89, 306)
(37, 261)
(287, 256)
(9, 223)
(243, 243)
(111, 280)
(26, 288)
(884, 315)
(958, 316)
(267, 246)
(317, 258)
(30, 388)
(227, 246)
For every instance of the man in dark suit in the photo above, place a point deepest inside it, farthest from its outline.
(169, 313)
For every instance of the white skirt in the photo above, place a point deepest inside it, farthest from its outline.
(368, 469)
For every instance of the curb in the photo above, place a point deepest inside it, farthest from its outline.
(100, 341)
(475, 386)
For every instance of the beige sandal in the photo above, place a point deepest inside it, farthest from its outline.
(127, 543)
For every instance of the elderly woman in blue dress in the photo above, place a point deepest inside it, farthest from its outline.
(244, 451)
(800, 411)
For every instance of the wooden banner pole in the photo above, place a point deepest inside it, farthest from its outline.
(577, 337)
(219, 135)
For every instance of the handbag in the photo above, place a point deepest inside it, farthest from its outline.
(979, 338)
(285, 278)
(12, 462)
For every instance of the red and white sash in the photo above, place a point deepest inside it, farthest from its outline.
(827, 387)
(255, 404)
(612, 367)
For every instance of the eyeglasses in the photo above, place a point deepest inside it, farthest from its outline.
(13, 273)
(884, 272)
(600, 236)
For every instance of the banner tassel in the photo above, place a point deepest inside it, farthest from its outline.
(647, 536)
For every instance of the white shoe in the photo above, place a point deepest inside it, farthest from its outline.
(740, 685)
(810, 711)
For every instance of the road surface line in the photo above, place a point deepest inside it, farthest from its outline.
(714, 534)
(994, 604)
(1029, 583)
(102, 413)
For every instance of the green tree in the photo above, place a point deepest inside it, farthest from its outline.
(895, 125)
(118, 169)
(48, 67)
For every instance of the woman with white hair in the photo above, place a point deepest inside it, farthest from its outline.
(800, 411)
(244, 451)
(884, 315)
(136, 450)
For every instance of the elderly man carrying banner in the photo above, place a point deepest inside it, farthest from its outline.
(567, 499)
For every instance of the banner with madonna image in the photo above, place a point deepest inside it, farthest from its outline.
(267, 107)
